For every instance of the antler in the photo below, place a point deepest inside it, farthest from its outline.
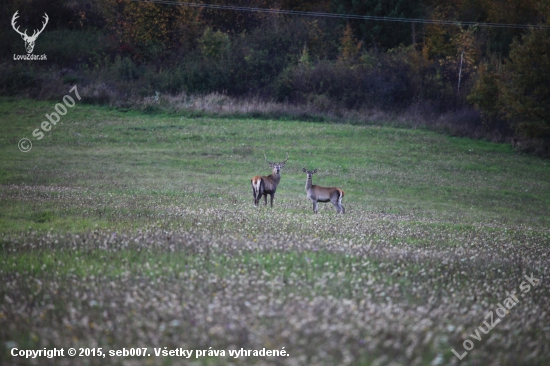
(265, 157)
(35, 34)
(24, 34)
(13, 19)
(283, 162)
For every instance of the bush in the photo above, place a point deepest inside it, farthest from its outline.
(126, 69)
(72, 48)
(386, 86)
(18, 78)
(214, 45)
(256, 60)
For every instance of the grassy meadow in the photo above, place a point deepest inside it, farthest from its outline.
(124, 229)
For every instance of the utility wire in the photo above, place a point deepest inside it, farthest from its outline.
(342, 16)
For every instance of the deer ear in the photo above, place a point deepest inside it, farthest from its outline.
(314, 170)
(304, 170)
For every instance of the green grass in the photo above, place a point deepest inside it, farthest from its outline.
(123, 229)
(395, 170)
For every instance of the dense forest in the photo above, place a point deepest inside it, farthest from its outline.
(482, 66)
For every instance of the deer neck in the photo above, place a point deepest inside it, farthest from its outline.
(276, 176)
(308, 184)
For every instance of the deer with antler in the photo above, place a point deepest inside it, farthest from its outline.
(29, 40)
(264, 185)
(323, 194)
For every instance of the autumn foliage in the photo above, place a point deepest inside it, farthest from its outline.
(498, 76)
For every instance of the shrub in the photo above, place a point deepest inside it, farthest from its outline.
(214, 45)
(386, 86)
(18, 78)
(71, 48)
(126, 69)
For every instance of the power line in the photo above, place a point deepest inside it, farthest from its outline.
(341, 16)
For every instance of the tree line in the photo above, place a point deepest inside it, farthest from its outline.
(496, 77)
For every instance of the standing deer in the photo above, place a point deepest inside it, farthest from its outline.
(29, 40)
(262, 186)
(323, 194)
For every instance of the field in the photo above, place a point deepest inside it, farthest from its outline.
(122, 229)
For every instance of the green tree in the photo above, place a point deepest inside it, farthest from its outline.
(499, 40)
(485, 93)
(525, 88)
(214, 45)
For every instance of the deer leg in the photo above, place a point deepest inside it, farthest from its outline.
(265, 198)
(272, 194)
(315, 207)
(342, 209)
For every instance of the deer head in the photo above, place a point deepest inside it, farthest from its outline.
(276, 166)
(309, 172)
(29, 40)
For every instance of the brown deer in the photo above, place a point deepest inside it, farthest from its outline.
(264, 185)
(323, 194)
(29, 40)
